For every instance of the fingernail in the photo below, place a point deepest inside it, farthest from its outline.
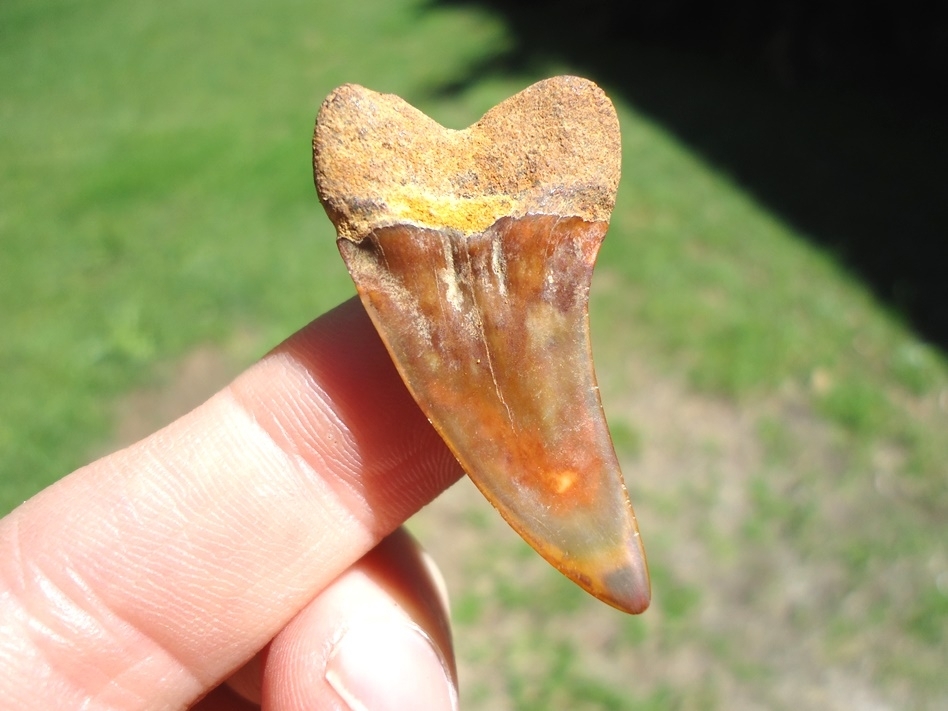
(389, 665)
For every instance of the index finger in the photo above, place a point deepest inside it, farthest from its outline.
(142, 579)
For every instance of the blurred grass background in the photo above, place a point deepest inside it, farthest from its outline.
(767, 319)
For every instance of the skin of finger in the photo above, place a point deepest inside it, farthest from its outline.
(400, 575)
(223, 698)
(392, 584)
(247, 682)
(143, 579)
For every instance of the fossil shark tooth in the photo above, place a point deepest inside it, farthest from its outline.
(473, 252)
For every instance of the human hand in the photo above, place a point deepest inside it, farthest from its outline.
(243, 556)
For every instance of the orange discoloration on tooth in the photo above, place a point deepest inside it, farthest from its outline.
(473, 253)
(563, 481)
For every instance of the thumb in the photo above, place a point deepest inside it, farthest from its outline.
(143, 579)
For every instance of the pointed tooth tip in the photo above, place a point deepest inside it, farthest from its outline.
(619, 578)
(627, 588)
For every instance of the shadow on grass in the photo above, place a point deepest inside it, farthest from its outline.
(832, 120)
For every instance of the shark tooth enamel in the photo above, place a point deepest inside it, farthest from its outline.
(473, 252)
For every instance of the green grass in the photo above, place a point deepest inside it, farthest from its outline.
(156, 189)
(156, 195)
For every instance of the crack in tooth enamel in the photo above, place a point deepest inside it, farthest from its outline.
(499, 268)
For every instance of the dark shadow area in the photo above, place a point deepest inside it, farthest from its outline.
(832, 114)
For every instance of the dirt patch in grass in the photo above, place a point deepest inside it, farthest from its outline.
(767, 593)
